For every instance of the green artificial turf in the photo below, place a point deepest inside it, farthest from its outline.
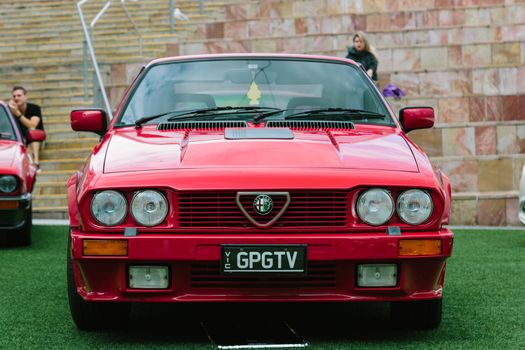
(484, 306)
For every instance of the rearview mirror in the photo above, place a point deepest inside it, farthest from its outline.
(412, 118)
(93, 119)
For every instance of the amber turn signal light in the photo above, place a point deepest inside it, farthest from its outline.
(413, 247)
(9, 204)
(104, 247)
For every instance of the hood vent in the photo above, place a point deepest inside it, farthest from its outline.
(258, 133)
(309, 124)
(208, 125)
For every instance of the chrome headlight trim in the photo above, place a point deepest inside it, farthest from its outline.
(375, 206)
(8, 183)
(414, 206)
(149, 207)
(109, 207)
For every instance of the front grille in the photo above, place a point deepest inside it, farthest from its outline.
(208, 275)
(306, 209)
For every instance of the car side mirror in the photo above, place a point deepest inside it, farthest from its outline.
(413, 118)
(92, 119)
(36, 135)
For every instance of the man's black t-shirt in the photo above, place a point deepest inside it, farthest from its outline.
(32, 110)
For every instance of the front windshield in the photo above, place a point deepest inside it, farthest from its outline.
(291, 85)
(6, 128)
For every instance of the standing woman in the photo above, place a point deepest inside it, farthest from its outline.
(363, 53)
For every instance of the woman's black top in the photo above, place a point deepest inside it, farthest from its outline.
(366, 58)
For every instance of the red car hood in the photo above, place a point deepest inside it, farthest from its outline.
(149, 149)
(7, 154)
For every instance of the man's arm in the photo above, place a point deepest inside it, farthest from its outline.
(30, 122)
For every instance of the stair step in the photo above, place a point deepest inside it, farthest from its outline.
(55, 176)
(73, 143)
(49, 200)
(49, 187)
(71, 164)
(67, 134)
(82, 152)
(50, 212)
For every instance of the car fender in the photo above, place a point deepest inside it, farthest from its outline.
(447, 191)
(74, 218)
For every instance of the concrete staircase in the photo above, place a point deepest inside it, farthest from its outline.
(41, 49)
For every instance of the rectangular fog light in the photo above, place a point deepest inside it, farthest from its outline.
(376, 275)
(149, 277)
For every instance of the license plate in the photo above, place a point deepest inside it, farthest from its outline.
(263, 259)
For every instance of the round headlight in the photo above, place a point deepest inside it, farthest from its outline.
(375, 206)
(8, 183)
(149, 207)
(109, 207)
(414, 206)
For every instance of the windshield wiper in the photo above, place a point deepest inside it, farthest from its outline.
(206, 112)
(143, 120)
(139, 122)
(261, 116)
(202, 112)
(347, 113)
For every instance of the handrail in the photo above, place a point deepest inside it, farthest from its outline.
(89, 43)
(92, 52)
(99, 14)
(123, 4)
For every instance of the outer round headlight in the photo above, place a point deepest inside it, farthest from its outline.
(414, 206)
(8, 183)
(109, 207)
(375, 206)
(149, 207)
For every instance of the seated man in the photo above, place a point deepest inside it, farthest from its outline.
(29, 116)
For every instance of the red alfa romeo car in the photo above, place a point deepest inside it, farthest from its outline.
(17, 179)
(256, 178)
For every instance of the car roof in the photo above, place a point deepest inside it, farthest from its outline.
(248, 56)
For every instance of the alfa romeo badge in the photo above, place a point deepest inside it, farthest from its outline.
(263, 204)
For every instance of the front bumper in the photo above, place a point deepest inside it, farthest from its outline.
(13, 211)
(194, 264)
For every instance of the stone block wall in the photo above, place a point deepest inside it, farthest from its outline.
(465, 58)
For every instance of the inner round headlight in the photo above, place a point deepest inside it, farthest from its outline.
(149, 207)
(375, 206)
(414, 206)
(109, 207)
(8, 183)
